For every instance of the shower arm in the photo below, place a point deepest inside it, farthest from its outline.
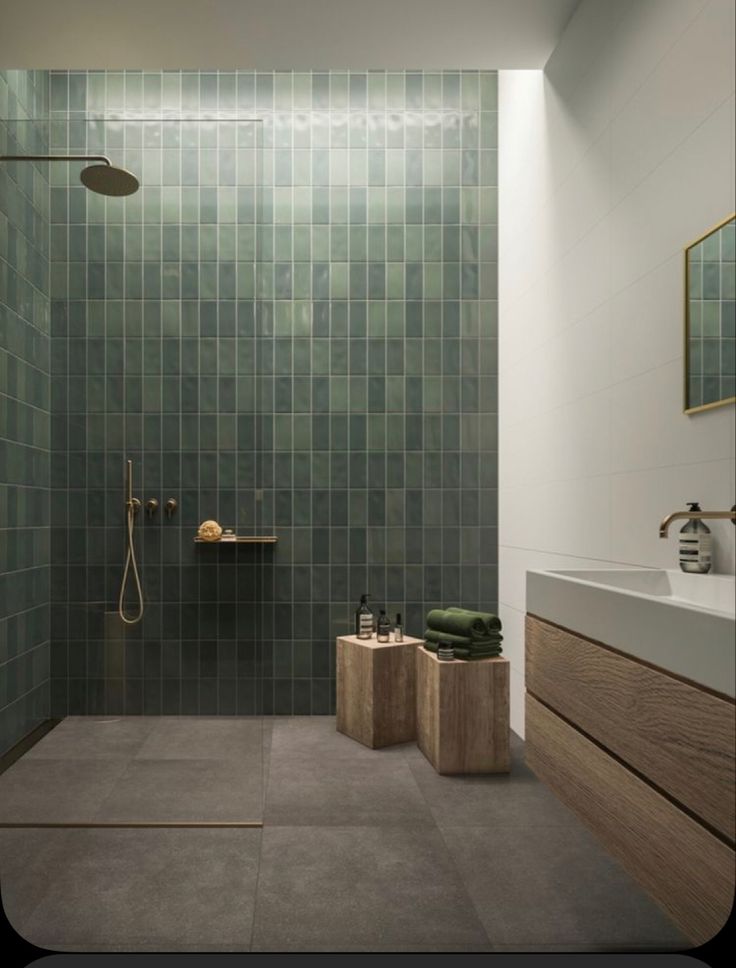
(105, 160)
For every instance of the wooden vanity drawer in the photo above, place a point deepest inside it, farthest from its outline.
(687, 869)
(677, 735)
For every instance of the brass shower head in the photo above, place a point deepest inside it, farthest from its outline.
(102, 177)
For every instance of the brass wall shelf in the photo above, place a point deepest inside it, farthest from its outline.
(241, 539)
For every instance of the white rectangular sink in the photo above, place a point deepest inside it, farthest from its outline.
(683, 623)
(714, 593)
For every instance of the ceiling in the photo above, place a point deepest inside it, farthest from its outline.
(280, 34)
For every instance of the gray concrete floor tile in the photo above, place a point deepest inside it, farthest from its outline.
(309, 789)
(26, 856)
(360, 886)
(56, 791)
(198, 769)
(352, 859)
(90, 737)
(535, 885)
(148, 888)
(200, 738)
(496, 799)
(317, 736)
(179, 789)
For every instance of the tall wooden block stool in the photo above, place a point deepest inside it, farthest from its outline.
(376, 695)
(463, 713)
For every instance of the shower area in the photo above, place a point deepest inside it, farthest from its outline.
(288, 327)
(158, 413)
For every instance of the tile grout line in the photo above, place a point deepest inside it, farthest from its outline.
(455, 865)
(464, 883)
(266, 771)
(255, 893)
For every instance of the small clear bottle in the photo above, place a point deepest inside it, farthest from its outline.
(383, 628)
(398, 629)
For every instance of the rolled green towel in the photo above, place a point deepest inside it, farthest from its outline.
(468, 655)
(490, 621)
(469, 626)
(486, 650)
(432, 635)
(461, 653)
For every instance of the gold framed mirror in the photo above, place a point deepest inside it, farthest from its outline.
(710, 318)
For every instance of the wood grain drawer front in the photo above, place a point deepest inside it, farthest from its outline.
(675, 734)
(688, 870)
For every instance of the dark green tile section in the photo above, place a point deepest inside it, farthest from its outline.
(25, 425)
(292, 328)
(711, 317)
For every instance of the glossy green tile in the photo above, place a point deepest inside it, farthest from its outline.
(365, 285)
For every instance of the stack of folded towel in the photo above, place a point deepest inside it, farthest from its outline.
(473, 635)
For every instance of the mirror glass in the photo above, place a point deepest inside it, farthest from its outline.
(710, 318)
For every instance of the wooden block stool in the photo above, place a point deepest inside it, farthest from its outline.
(463, 713)
(376, 696)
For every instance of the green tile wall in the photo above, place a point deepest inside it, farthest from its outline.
(24, 409)
(711, 360)
(292, 328)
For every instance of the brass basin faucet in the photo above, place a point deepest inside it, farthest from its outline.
(698, 515)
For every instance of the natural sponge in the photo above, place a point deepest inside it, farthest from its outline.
(210, 531)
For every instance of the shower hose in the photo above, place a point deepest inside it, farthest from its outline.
(131, 565)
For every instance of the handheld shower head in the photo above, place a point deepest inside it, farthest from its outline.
(132, 505)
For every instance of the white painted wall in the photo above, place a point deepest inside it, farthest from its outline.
(280, 34)
(612, 160)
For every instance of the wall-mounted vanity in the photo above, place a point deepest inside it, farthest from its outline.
(630, 720)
